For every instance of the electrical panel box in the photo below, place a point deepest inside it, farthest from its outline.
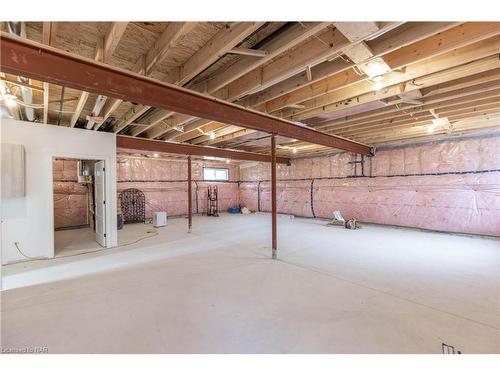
(13, 170)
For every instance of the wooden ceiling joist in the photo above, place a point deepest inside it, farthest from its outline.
(174, 32)
(315, 50)
(397, 112)
(217, 47)
(389, 110)
(37, 61)
(112, 105)
(244, 67)
(344, 76)
(84, 94)
(111, 41)
(295, 35)
(113, 37)
(308, 72)
(465, 56)
(462, 99)
(423, 50)
(387, 43)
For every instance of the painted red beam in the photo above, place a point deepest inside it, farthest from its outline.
(143, 144)
(274, 218)
(190, 197)
(34, 60)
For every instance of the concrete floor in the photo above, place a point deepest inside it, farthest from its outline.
(73, 241)
(76, 241)
(216, 290)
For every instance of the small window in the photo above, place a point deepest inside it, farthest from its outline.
(215, 174)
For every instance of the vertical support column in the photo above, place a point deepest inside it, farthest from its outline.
(190, 196)
(273, 197)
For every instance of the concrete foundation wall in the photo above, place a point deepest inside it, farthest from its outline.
(448, 185)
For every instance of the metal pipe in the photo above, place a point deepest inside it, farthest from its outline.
(190, 203)
(19, 29)
(273, 197)
(61, 103)
(99, 103)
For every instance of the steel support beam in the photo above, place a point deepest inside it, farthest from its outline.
(190, 196)
(34, 60)
(143, 144)
(273, 198)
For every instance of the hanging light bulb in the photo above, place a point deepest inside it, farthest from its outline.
(295, 150)
(375, 67)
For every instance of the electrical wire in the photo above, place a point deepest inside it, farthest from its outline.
(358, 71)
(153, 233)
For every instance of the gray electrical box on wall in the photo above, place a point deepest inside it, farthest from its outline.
(12, 170)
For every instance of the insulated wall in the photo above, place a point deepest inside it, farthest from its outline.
(70, 197)
(451, 185)
(164, 183)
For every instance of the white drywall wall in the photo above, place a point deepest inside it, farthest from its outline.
(29, 220)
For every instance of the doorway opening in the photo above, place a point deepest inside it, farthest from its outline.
(79, 205)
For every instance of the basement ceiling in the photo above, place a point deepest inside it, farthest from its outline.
(313, 73)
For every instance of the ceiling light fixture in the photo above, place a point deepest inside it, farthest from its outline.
(375, 67)
(227, 161)
(10, 100)
(295, 150)
(156, 155)
(212, 136)
(441, 121)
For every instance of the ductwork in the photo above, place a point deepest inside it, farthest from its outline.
(99, 103)
(18, 29)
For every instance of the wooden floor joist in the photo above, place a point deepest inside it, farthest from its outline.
(37, 61)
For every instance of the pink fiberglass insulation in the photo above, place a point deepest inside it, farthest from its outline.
(164, 184)
(227, 195)
(249, 195)
(70, 198)
(465, 203)
(449, 185)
